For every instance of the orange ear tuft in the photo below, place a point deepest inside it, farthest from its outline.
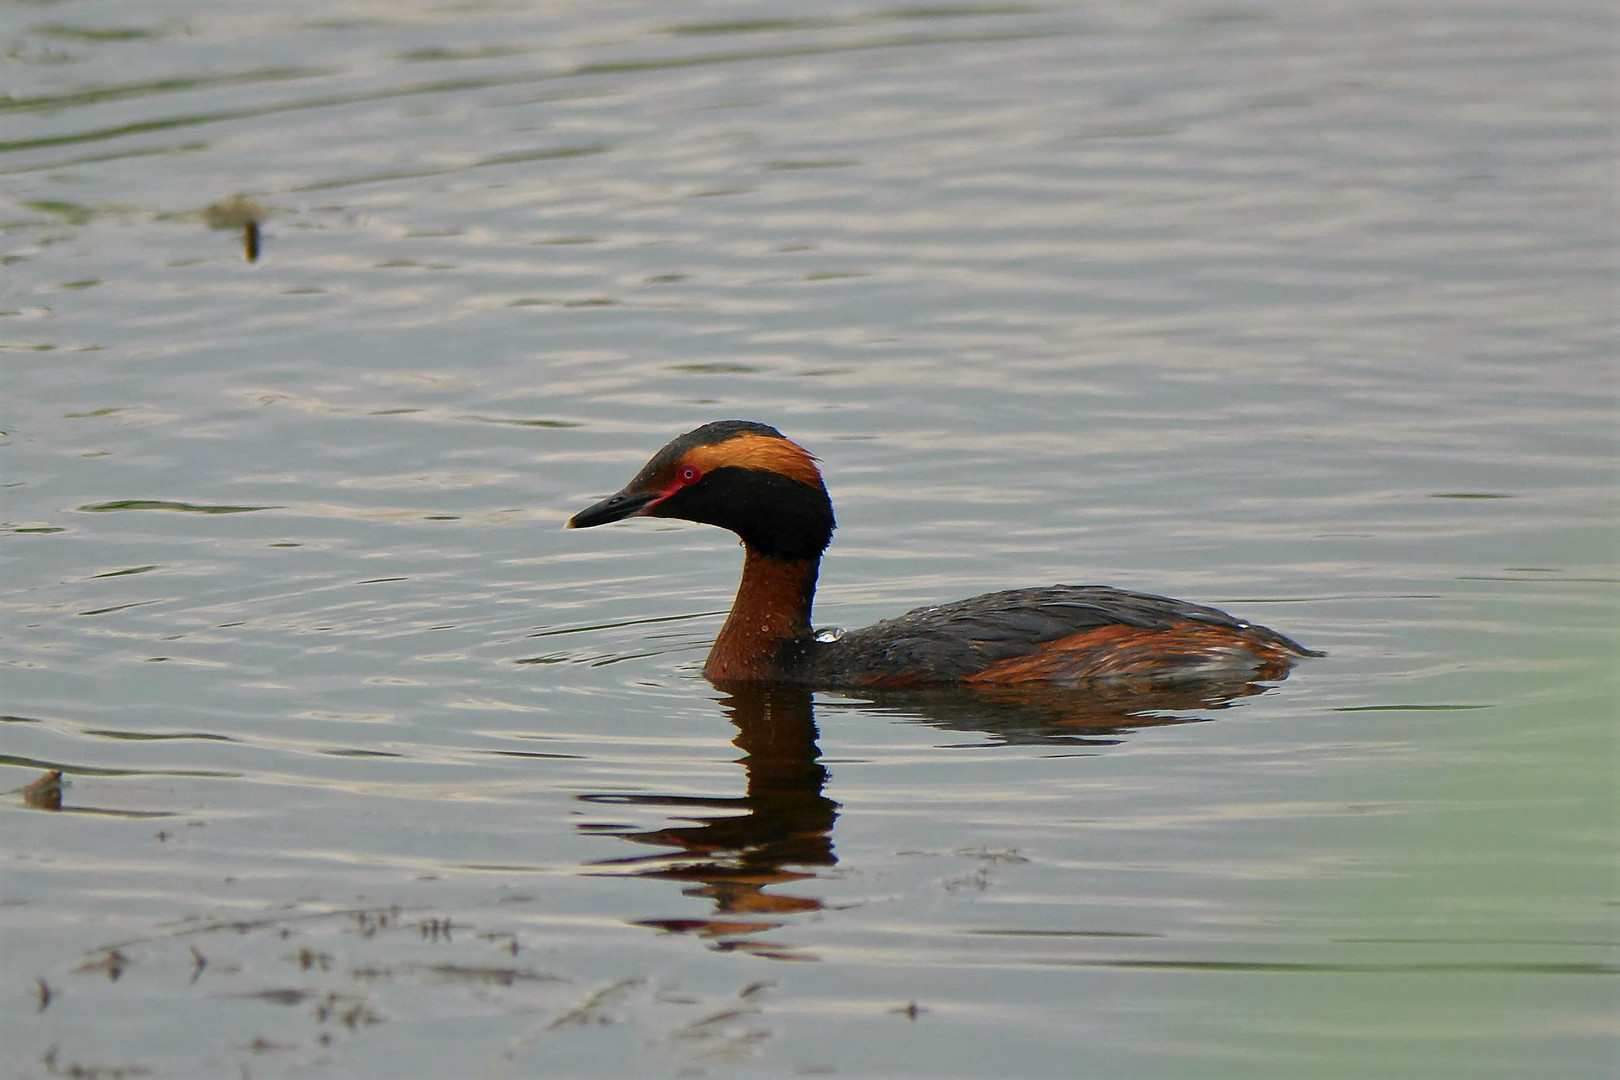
(752, 451)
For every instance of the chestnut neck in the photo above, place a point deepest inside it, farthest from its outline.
(772, 609)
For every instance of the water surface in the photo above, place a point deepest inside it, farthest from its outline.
(372, 769)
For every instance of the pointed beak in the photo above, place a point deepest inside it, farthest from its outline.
(615, 508)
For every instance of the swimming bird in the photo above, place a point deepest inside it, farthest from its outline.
(751, 479)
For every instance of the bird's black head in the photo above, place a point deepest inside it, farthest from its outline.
(739, 475)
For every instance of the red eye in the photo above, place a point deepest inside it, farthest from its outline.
(689, 475)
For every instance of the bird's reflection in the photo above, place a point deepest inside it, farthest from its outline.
(1097, 714)
(778, 833)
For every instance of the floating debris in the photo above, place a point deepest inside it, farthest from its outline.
(238, 213)
(111, 963)
(46, 792)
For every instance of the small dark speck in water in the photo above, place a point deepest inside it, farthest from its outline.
(111, 963)
(238, 213)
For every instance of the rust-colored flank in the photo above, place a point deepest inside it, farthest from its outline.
(1128, 651)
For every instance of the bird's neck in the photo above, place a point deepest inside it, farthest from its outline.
(772, 609)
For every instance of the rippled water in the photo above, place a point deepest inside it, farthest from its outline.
(1302, 310)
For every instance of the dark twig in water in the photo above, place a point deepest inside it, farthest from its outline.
(198, 962)
(238, 213)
